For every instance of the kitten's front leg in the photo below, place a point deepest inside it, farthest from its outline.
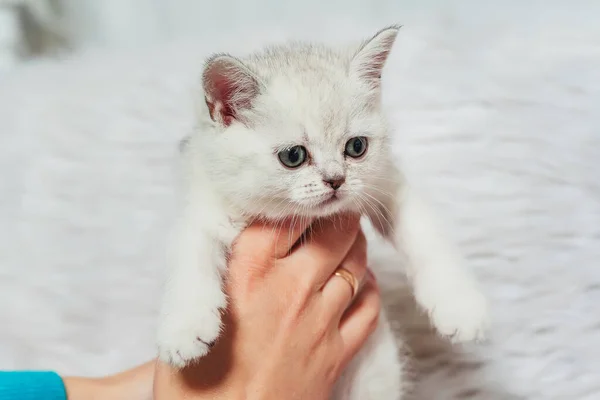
(376, 372)
(441, 284)
(191, 311)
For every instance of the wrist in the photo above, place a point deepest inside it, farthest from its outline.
(85, 388)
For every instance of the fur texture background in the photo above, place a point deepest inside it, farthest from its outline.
(497, 118)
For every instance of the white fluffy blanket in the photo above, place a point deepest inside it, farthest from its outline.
(497, 117)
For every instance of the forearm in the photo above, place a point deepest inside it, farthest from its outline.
(133, 384)
(84, 388)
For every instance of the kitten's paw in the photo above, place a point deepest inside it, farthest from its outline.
(458, 312)
(183, 339)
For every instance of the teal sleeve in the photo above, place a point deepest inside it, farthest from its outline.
(31, 385)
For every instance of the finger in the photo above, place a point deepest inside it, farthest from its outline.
(263, 241)
(338, 292)
(361, 319)
(324, 249)
(289, 236)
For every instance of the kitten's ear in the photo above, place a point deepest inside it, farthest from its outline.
(370, 58)
(229, 88)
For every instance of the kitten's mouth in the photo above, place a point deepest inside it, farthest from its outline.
(332, 199)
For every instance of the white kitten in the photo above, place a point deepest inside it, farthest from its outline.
(299, 130)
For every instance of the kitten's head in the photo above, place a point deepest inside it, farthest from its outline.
(297, 129)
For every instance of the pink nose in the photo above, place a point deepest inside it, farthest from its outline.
(335, 183)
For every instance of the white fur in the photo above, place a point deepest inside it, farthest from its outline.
(441, 285)
(320, 98)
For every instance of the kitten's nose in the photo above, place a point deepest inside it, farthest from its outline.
(335, 183)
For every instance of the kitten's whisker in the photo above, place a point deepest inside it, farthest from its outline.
(378, 202)
(375, 188)
(385, 178)
(390, 224)
(279, 219)
(361, 209)
(378, 213)
(269, 202)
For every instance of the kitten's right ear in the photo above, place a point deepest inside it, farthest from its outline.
(229, 88)
(367, 63)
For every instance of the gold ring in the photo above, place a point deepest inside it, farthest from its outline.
(348, 277)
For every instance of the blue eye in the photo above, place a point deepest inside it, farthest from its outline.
(293, 157)
(356, 147)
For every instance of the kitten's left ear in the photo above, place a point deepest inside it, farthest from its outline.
(370, 58)
(230, 87)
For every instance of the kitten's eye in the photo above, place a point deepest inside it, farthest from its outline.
(356, 147)
(293, 157)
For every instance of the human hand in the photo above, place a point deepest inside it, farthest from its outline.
(288, 330)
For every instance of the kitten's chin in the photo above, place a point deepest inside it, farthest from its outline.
(323, 209)
(330, 207)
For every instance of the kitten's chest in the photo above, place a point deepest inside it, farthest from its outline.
(224, 234)
(229, 230)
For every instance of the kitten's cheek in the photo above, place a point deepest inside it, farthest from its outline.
(295, 199)
(348, 202)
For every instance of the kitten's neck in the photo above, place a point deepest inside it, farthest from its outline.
(200, 187)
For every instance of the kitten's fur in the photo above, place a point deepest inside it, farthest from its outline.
(317, 97)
